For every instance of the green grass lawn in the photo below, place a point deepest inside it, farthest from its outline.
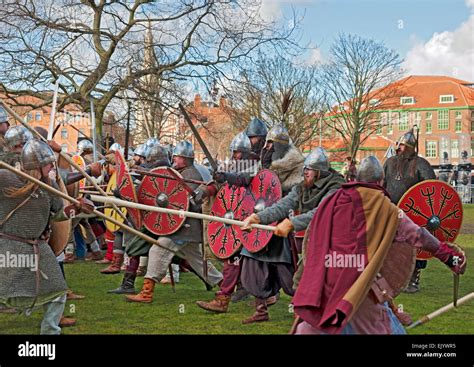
(176, 313)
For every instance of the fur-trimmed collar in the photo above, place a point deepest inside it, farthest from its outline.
(289, 168)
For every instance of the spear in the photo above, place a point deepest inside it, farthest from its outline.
(441, 310)
(61, 194)
(182, 213)
(64, 155)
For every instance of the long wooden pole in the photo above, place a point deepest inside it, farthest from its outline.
(128, 204)
(65, 156)
(61, 194)
(441, 310)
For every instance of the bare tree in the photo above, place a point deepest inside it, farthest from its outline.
(356, 81)
(95, 47)
(279, 91)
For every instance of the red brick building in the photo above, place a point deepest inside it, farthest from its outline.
(442, 107)
(75, 124)
(213, 122)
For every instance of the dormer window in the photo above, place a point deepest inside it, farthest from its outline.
(447, 98)
(407, 100)
(374, 102)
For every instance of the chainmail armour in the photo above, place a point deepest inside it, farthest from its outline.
(18, 284)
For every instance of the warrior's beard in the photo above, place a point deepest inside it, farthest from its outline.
(404, 159)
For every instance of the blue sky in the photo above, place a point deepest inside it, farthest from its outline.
(434, 36)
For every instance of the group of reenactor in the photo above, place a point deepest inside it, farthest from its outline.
(314, 210)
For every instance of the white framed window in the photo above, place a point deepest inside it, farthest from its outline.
(443, 119)
(407, 100)
(446, 98)
(403, 124)
(431, 149)
(374, 102)
(63, 133)
(29, 117)
(64, 148)
(454, 148)
(428, 122)
(417, 119)
(37, 116)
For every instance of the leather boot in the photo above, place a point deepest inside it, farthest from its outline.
(69, 258)
(127, 286)
(220, 304)
(94, 256)
(261, 312)
(104, 261)
(114, 268)
(71, 296)
(414, 284)
(67, 321)
(146, 295)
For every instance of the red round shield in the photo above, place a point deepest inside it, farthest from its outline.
(233, 203)
(435, 205)
(165, 193)
(127, 189)
(264, 191)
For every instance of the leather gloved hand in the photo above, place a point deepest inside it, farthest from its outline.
(453, 256)
(95, 169)
(284, 228)
(54, 146)
(253, 219)
(84, 206)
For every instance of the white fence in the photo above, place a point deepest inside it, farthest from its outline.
(466, 193)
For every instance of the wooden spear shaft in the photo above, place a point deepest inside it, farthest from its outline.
(65, 156)
(128, 204)
(61, 194)
(441, 310)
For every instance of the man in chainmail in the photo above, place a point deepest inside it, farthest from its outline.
(402, 171)
(24, 232)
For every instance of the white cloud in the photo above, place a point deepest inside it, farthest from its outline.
(270, 10)
(315, 57)
(470, 4)
(446, 53)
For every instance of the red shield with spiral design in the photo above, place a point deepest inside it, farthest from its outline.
(436, 206)
(232, 203)
(264, 191)
(164, 193)
(127, 188)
